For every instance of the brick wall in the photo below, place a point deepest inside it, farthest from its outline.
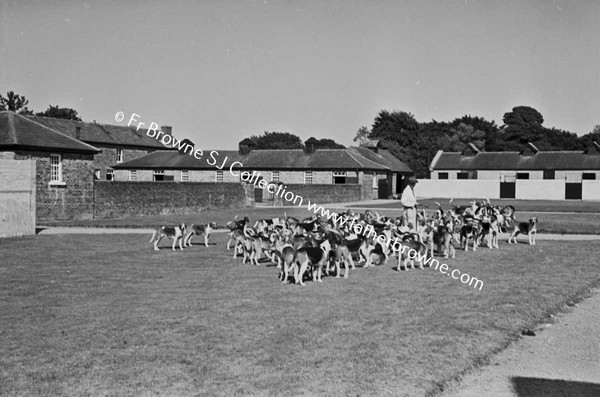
(321, 194)
(72, 200)
(17, 197)
(122, 199)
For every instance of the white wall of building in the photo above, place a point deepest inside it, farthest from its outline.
(590, 190)
(527, 189)
(464, 188)
(540, 189)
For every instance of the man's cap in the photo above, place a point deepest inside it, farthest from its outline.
(412, 179)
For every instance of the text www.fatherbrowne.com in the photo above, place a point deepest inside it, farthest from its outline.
(281, 191)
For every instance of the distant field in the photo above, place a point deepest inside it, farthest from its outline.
(106, 315)
(520, 205)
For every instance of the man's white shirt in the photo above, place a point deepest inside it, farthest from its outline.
(408, 197)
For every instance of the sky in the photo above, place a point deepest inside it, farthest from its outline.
(220, 71)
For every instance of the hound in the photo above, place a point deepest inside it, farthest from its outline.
(442, 236)
(173, 232)
(313, 256)
(529, 228)
(467, 231)
(285, 257)
(198, 230)
(410, 243)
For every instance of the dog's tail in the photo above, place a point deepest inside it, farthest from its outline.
(153, 235)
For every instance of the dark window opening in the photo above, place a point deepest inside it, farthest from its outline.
(588, 176)
(549, 174)
(442, 175)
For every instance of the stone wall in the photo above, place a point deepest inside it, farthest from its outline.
(73, 198)
(320, 194)
(123, 199)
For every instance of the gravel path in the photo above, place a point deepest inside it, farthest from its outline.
(562, 360)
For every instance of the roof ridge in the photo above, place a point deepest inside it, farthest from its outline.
(59, 133)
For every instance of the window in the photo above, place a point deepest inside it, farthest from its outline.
(110, 175)
(119, 155)
(374, 180)
(549, 174)
(185, 175)
(308, 177)
(462, 175)
(219, 176)
(133, 175)
(275, 176)
(339, 177)
(588, 176)
(522, 175)
(96, 174)
(158, 175)
(55, 168)
(442, 175)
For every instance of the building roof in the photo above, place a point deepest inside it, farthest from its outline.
(20, 132)
(524, 160)
(101, 134)
(323, 159)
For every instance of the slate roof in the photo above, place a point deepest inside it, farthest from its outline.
(101, 134)
(20, 132)
(547, 160)
(323, 159)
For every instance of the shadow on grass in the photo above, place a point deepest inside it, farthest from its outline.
(530, 387)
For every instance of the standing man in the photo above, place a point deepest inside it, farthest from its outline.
(409, 202)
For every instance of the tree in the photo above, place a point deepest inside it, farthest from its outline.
(15, 103)
(362, 134)
(524, 124)
(587, 139)
(460, 138)
(400, 127)
(60, 113)
(326, 143)
(277, 140)
(523, 115)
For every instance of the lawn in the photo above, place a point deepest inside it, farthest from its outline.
(106, 315)
(521, 205)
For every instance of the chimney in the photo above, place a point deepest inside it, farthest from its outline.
(371, 144)
(167, 129)
(311, 145)
(78, 132)
(186, 146)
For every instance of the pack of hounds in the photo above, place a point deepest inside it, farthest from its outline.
(313, 246)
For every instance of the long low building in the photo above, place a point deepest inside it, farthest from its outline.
(380, 173)
(528, 174)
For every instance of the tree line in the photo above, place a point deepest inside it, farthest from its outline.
(18, 104)
(416, 143)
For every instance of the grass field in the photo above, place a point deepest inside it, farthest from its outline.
(520, 205)
(106, 315)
